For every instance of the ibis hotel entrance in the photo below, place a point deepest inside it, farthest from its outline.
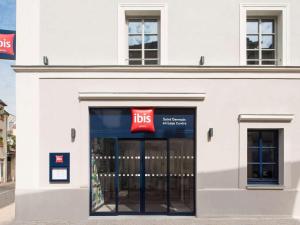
(142, 161)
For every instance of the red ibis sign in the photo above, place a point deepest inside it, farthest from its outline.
(7, 44)
(142, 120)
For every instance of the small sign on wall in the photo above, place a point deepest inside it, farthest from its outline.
(59, 167)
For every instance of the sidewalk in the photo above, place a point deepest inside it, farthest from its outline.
(6, 186)
(7, 215)
(7, 194)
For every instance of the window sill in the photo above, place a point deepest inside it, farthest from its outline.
(264, 187)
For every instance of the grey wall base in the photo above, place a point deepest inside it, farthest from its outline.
(67, 204)
(73, 204)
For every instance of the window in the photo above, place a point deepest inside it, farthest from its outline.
(261, 41)
(143, 41)
(263, 157)
(264, 34)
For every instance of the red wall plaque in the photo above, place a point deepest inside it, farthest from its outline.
(59, 159)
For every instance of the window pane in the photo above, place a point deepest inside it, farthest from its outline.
(181, 175)
(269, 138)
(134, 26)
(151, 62)
(267, 26)
(269, 155)
(135, 62)
(129, 175)
(268, 63)
(253, 171)
(252, 26)
(155, 176)
(252, 41)
(150, 27)
(267, 41)
(151, 41)
(270, 171)
(135, 54)
(252, 62)
(268, 54)
(253, 155)
(135, 42)
(103, 175)
(252, 54)
(253, 138)
(151, 54)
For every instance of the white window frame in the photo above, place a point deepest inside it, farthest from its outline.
(260, 49)
(266, 121)
(280, 11)
(143, 8)
(143, 18)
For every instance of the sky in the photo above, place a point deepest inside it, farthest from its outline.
(7, 75)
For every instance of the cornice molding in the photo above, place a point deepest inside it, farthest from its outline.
(280, 118)
(89, 96)
(153, 69)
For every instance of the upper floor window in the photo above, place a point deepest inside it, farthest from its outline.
(143, 41)
(261, 41)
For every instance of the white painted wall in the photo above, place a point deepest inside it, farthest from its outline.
(76, 32)
(218, 163)
(79, 32)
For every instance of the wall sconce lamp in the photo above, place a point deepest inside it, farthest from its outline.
(210, 133)
(202, 61)
(45, 60)
(73, 134)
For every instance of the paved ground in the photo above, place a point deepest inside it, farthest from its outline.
(7, 216)
(6, 187)
(7, 194)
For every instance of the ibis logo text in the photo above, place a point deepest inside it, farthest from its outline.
(142, 120)
(6, 44)
(59, 159)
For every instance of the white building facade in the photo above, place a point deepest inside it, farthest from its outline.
(219, 81)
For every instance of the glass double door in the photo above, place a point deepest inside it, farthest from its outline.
(142, 176)
(142, 171)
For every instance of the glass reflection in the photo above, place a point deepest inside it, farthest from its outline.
(252, 62)
(151, 62)
(252, 41)
(155, 176)
(268, 54)
(150, 26)
(252, 139)
(129, 175)
(253, 171)
(267, 27)
(268, 62)
(269, 139)
(135, 54)
(181, 175)
(252, 26)
(151, 54)
(267, 41)
(151, 41)
(269, 171)
(103, 175)
(252, 55)
(134, 26)
(135, 42)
